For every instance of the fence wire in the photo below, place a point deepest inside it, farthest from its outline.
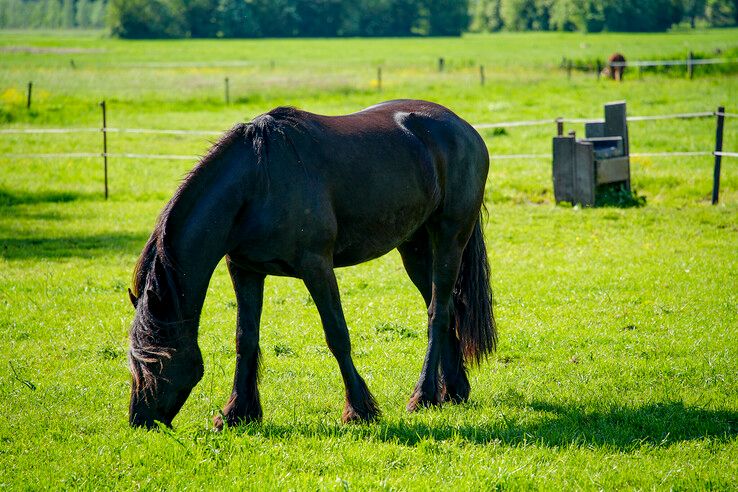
(507, 124)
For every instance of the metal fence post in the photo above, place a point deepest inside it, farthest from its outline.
(28, 101)
(105, 146)
(718, 158)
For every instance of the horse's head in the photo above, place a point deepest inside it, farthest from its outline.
(164, 359)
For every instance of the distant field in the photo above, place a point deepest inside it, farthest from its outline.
(617, 361)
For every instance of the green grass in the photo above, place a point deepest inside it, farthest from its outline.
(616, 366)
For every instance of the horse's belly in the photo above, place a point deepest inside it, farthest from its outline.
(363, 239)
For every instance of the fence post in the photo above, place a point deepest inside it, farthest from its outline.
(379, 78)
(718, 158)
(28, 101)
(690, 67)
(227, 92)
(568, 69)
(441, 64)
(105, 146)
(599, 69)
(559, 126)
(481, 74)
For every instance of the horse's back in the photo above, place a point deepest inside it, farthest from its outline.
(365, 182)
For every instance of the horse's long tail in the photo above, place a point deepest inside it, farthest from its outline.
(472, 297)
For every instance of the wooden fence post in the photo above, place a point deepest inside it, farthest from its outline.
(441, 64)
(559, 127)
(227, 92)
(105, 146)
(718, 158)
(28, 100)
(599, 69)
(481, 74)
(379, 78)
(568, 69)
(690, 66)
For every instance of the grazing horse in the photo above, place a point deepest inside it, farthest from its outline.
(615, 72)
(298, 194)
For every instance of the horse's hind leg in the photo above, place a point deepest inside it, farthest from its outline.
(321, 283)
(447, 244)
(244, 404)
(417, 256)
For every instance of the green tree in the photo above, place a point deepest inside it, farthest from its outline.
(98, 13)
(52, 14)
(447, 17)
(693, 9)
(67, 14)
(486, 16)
(236, 19)
(148, 18)
(201, 18)
(722, 13)
(518, 15)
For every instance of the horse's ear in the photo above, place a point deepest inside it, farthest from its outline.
(133, 298)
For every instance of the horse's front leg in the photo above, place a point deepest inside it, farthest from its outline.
(317, 273)
(244, 405)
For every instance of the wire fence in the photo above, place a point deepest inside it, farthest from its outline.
(668, 63)
(718, 152)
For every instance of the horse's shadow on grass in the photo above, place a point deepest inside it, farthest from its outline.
(621, 428)
(24, 245)
(80, 246)
(9, 198)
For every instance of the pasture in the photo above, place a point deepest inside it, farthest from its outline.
(617, 362)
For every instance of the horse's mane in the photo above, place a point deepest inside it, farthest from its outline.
(155, 270)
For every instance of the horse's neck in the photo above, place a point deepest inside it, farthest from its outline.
(198, 221)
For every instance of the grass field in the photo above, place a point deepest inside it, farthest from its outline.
(617, 361)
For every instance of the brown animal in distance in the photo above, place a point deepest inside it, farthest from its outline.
(615, 72)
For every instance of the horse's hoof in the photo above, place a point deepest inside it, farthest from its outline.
(351, 415)
(418, 401)
(233, 421)
(455, 394)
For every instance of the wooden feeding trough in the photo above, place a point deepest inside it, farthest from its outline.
(582, 167)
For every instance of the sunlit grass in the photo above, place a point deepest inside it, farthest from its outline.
(616, 367)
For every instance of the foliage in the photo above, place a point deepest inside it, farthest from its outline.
(599, 15)
(329, 18)
(722, 13)
(54, 14)
(296, 18)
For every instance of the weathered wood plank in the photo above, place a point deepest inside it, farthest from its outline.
(563, 168)
(584, 175)
(613, 170)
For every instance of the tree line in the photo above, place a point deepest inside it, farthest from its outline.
(53, 14)
(329, 18)
(600, 15)
(287, 18)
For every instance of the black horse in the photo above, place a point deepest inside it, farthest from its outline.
(298, 194)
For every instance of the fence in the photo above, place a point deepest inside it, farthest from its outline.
(717, 153)
(689, 63)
